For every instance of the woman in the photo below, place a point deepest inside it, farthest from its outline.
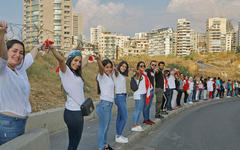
(140, 95)
(119, 78)
(14, 88)
(71, 77)
(190, 90)
(104, 107)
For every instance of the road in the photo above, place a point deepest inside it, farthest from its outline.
(208, 127)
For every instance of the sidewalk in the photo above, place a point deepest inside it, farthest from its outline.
(59, 141)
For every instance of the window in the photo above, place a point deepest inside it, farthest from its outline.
(57, 6)
(57, 27)
(66, 6)
(57, 11)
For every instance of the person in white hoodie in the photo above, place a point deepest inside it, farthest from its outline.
(190, 90)
(210, 87)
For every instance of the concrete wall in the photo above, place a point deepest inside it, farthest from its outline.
(37, 139)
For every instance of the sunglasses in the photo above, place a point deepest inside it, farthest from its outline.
(142, 66)
(154, 65)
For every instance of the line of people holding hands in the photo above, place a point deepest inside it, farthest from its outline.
(111, 81)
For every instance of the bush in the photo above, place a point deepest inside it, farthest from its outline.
(182, 69)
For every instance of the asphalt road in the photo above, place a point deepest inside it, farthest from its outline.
(208, 127)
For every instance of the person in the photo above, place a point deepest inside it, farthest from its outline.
(146, 108)
(104, 107)
(218, 87)
(71, 78)
(210, 87)
(201, 88)
(185, 88)
(159, 80)
(140, 95)
(180, 89)
(14, 86)
(172, 86)
(228, 88)
(205, 89)
(214, 87)
(119, 78)
(190, 90)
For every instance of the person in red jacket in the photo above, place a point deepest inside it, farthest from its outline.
(185, 88)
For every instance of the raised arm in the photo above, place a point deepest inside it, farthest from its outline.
(100, 65)
(85, 61)
(59, 58)
(3, 48)
(115, 69)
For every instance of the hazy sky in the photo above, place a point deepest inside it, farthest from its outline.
(130, 16)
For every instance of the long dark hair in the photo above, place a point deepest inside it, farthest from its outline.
(126, 71)
(138, 64)
(104, 62)
(77, 72)
(10, 44)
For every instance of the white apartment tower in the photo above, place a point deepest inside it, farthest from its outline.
(183, 46)
(48, 19)
(160, 41)
(95, 34)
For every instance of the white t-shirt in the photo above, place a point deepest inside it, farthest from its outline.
(141, 89)
(120, 83)
(106, 85)
(210, 85)
(171, 82)
(73, 86)
(15, 88)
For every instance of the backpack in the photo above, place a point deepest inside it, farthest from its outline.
(133, 84)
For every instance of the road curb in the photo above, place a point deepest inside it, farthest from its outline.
(137, 135)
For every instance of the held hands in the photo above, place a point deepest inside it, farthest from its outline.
(3, 27)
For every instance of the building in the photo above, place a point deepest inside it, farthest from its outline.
(136, 47)
(216, 30)
(160, 41)
(77, 37)
(107, 45)
(183, 45)
(194, 42)
(48, 20)
(140, 35)
(201, 43)
(121, 39)
(95, 34)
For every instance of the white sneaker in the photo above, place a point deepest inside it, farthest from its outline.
(137, 129)
(124, 138)
(120, 140)
(190, 102)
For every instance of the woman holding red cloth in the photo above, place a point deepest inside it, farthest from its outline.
(142, 93)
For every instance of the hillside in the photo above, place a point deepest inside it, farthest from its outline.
(46, 89)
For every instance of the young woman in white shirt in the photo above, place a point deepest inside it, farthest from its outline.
(119, 78)
(139, 96)
(71, 77)
(14, 86)
(104, 107)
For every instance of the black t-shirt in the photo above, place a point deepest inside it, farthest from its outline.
(150, 74)
(159, 80)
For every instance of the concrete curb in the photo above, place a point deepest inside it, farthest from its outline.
(37, 139)
(137, 135)
(52, 119)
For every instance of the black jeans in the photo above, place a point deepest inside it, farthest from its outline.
(179, 96)
(74, 121)
(185, 96)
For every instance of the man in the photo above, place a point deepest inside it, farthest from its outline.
(146, 108)
(159, 79)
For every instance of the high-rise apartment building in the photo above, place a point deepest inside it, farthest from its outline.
(201, 42)
(183, 46)
(107, 45)
(194, 41)
(95, 34)
(136, 47)
(160, 41)
(216, 34)
(48, 19)
(77, 37)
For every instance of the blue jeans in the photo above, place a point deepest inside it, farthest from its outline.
(200, 93)
(146, 108)
(11, 127)
(169, 99)
(138, 109)
(104, 112)
(122, 113)
(190, 96)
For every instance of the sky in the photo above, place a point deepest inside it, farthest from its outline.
(131, 16)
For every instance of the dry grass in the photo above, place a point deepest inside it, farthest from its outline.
(46, 86)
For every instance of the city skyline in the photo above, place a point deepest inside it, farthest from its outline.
(129, 17)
